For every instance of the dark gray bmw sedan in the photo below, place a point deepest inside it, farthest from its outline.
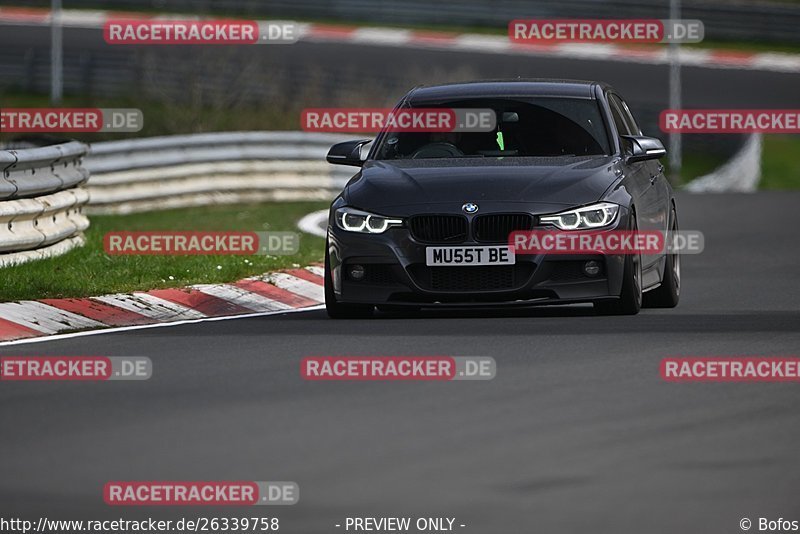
(427, 219)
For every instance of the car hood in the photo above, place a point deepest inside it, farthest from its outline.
(546, 183)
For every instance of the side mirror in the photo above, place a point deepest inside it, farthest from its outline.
(347, 153)
(644, 148)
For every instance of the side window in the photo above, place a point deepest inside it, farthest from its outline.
(626, 115)
(616, 114)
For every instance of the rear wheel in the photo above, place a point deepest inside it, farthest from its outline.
(630, 297)
(338, 310)
(668, 293)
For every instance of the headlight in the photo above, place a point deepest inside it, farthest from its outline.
(353, 220)
(594, 216)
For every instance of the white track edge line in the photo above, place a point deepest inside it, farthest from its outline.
(58, 337)
(310, 223)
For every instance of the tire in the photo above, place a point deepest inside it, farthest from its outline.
(668, 293)
(630, 297)
(338, 310)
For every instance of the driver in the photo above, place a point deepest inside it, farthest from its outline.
(451, 138)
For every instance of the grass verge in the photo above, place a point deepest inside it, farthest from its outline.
(694, 164)
(90, 271)
(780, 162)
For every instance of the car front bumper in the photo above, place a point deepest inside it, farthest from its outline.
(396, 274)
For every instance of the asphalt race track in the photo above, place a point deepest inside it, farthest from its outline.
(577, 433)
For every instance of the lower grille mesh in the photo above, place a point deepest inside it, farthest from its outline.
(473, 279)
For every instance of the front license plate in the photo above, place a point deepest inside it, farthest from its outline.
(500, 255)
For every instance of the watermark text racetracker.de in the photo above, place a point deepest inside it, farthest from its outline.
(74, 368)
(731, 369)
(646, 242)
(206, 493)
(441, 120)
(548, 31)
(734, 121)
(398, 368)
(199, 243)
(70, 120)
(158, 31)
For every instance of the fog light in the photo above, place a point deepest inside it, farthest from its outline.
(357, 272)
(591, 268)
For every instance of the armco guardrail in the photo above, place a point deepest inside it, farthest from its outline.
(195, 170)
(41, 201)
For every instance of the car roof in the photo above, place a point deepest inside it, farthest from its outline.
(505, 88)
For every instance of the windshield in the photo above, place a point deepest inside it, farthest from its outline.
(540, 127)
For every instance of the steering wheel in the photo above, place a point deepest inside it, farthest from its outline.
(437, 150)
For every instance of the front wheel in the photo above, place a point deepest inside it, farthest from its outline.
(338, 310)
(668, 293)
(630, 298)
